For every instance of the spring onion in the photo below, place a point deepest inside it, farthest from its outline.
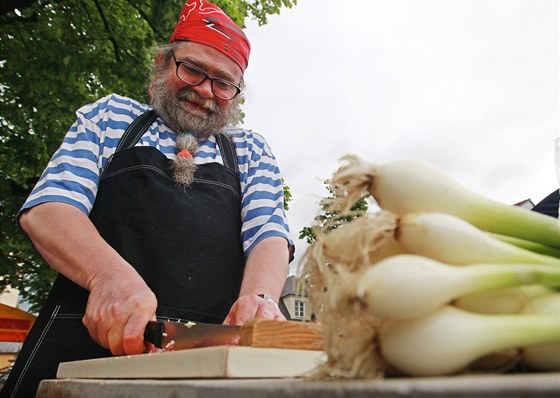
(447, 340)
(434, 283)
(363, 241)
(510, 300)
(408, 186)
(440, 236)
(408, 286)
(529, 245)
(449, 239)
(544, 356)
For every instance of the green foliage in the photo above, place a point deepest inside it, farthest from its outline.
(329, 220)
(56, 56)
(287, 196)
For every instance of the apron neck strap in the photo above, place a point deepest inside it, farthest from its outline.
(136, 130)
(138, 127)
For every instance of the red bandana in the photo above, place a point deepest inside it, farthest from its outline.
(205, 23)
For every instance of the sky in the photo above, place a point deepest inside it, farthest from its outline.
(471, 86)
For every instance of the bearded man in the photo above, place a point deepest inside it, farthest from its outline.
(157, 211)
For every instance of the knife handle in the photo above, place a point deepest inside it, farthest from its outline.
(154, 332)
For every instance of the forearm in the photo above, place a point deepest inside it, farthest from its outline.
(120, 303)
(265, 272)
(70, 244)
(266, 268)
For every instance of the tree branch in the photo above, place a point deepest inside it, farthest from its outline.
(145, 17)
(108, 29)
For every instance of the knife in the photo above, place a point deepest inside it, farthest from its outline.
(179, 335)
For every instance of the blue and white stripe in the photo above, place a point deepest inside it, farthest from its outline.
(72, 174)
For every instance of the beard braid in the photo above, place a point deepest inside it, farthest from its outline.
(168, 103)
(184, 166)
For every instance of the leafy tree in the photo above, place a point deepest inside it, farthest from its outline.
(56, 56)
(331, 219)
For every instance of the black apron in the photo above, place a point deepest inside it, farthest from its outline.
(185, 243)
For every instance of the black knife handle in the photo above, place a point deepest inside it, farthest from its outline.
(154, 332)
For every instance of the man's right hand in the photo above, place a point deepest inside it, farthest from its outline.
(120, 303)
(119, 307)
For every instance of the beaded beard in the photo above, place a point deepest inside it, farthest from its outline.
(183, 167)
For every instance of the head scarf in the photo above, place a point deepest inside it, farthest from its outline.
(205, 23)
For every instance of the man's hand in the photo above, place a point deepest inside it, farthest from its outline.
(252, 306)
(118, 309)
(265, 272)
(120, 303)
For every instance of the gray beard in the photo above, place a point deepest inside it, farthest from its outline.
(169, 107)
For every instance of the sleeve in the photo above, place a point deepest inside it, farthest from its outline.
(72, 174)
(262, 206)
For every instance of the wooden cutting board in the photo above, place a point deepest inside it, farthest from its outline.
(267, 349)
(206, 362)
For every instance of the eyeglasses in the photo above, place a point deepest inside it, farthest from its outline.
(194, 76)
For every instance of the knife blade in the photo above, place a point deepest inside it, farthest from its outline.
(180, 336)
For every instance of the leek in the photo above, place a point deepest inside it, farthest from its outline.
(408, 186)
(409, 286)
(544, 356)
(447, 340)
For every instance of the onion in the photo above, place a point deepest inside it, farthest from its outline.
(544, 356)
(447, 340)
(409, 286)
(410, 185)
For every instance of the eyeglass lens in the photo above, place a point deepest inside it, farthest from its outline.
(194, 76)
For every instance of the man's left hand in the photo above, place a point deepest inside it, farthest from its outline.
(252, 306)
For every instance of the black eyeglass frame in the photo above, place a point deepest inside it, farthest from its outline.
(206, 77)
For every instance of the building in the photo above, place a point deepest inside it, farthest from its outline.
(294, 306)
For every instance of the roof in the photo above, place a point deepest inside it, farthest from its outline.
(14, 323)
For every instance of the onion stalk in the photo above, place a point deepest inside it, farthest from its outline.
(408, 186)
(529, 245)
(408, 286)
(447, 340)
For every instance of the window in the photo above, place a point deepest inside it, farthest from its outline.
(300, 309)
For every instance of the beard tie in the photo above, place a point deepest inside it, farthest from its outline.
(184, 166)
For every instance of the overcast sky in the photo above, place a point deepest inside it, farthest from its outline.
(472, 86)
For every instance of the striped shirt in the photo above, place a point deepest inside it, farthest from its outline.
(72, 174)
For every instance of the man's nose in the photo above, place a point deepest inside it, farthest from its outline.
(204, 89)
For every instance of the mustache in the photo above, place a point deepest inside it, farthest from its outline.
(190, 95)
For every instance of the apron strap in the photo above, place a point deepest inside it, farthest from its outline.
(138, 127)
(136, 130)
(132, 134)
(229, 156)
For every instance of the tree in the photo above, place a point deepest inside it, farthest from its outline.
(56, 56)
(332, 219)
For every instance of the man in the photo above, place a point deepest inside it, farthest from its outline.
(157, 214)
